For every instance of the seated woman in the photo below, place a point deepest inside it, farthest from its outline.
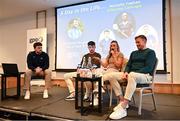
(113, 63)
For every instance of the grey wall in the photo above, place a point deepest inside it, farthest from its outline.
(13, 40)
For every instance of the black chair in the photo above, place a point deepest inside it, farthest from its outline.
(10, 70)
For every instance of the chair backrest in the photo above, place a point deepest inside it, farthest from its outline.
(154, 72)
(154, 69)
(125, 61)
(10, 68)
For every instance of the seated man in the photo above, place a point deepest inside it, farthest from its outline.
(38, 64)
(69, 76)
(139, 69)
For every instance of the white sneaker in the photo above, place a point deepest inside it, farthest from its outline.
(96, 90)
(70, 97)
(119, 105)
(86, 96)
(118, 113)
(27, 95)
(95, 101)
(45, 94)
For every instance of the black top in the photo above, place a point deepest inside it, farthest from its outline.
(38, 60)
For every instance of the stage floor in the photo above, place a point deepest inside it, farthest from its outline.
(55, 107)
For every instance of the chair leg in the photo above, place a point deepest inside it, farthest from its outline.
(154, 102)
(110, 102)
(123, 90)
(110, 99)
(107, 90)
(140, 102)
(134, 100)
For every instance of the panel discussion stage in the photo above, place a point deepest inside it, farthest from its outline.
(57, 108)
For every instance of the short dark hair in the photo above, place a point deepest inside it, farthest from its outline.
(91, 43)
(142, 37)
(37, 44)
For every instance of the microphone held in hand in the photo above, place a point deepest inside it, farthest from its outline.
(112, 50)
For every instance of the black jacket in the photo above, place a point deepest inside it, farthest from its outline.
(38, 60)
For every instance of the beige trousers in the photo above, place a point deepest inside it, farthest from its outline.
(29, 73)
(68, 77)
(133, 79)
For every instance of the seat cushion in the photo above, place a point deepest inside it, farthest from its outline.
(143, 85)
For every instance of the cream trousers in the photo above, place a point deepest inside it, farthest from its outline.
(68, 77)
(133, 79)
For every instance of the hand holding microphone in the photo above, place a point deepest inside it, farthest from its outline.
(112, 51)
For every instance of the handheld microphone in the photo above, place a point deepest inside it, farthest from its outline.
(112, 50)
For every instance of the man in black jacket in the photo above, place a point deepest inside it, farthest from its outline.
(38, 64)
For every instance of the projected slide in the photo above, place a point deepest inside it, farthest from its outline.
(103, 22)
